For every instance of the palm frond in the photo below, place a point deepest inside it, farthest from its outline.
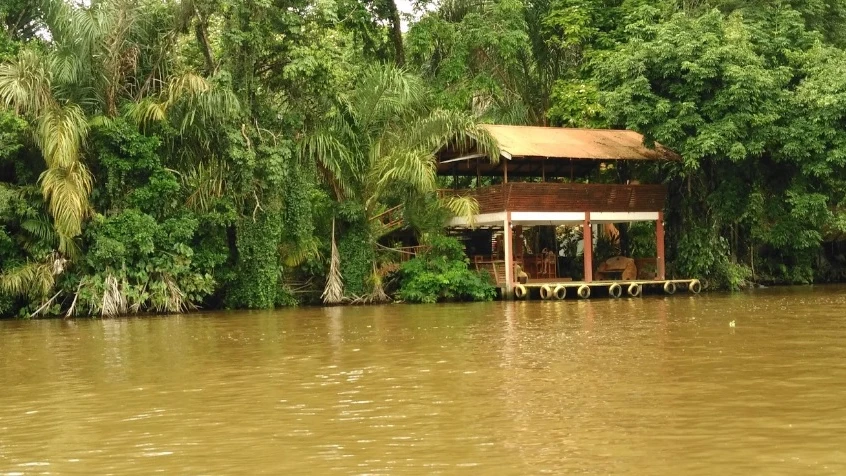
(113, 302)
(332, 158)
(60, 133)
(66, 64)
(147, 111)
(32, 279)
(384, 93)
(188, 84)
(457, 129)
(175, 300)
(294, 252)
(412, 168)
(40, 228)
(377, 295)
(464, 207)
(25, 84)
(333, 293)
(66, 190)
(207, 182)
(190, 101)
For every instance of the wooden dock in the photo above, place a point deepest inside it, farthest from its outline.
(559, 289)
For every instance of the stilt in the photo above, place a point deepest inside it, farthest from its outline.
(509, 261)
(659, 237)
(518, 241)
(588, 251)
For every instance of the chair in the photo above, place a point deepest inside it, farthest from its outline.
(618, 267)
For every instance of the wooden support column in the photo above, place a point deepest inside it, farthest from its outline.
(509, 261)
(587, 236)
(659, 238)
(518, 241)
(478, 175)
(505, 171)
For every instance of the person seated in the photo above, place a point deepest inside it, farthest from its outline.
(547, 262)
(542, 268)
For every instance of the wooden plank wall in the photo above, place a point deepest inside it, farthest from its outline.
(568, 197)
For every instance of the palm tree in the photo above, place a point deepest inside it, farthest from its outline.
(84, 67)
(59, 132)
(380, 144)
(92, 63)
(100, 60)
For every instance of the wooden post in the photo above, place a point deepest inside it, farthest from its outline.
(509, 261)
(659, 237)
(478, 175)
(505, 170)
(518, 241)
(587, 236)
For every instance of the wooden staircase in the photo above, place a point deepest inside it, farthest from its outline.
(390, 220)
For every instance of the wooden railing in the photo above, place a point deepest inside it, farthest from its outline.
(405, 253)
(557, 197)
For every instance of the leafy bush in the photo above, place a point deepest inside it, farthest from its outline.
(357, 257)
(705, 255)
(256, 282)
(131, 171)
(441, 274)
(139, 264)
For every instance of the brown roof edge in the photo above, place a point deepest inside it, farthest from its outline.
(580, 144)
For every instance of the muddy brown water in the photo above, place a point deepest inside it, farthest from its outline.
(652, 385)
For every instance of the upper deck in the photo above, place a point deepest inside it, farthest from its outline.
(562, 197)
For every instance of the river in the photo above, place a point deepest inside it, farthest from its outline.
(654, 385)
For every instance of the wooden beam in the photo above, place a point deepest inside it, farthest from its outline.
(478, 176)
(459, 159)
(587, 236)
(518, 240)
(659, 237)
(509, 262)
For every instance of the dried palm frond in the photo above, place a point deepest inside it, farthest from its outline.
(114, 301)
(333, 293)
(378, 295)
(175, 297)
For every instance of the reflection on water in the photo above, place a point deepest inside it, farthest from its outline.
(635, 386)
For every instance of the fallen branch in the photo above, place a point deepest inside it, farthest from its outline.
(50, 301)
(72, 308)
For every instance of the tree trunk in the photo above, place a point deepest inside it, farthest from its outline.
(396, 32)
(201, 32)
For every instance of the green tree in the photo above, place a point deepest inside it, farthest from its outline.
(376, 150)
(715, 89)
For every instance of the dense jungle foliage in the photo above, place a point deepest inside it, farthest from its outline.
(167, 155)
